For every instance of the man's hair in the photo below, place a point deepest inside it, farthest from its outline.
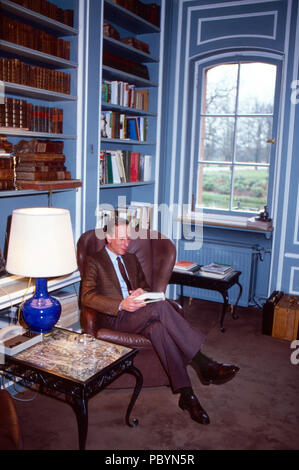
(115, 222)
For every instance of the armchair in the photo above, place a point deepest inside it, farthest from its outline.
(156, 255)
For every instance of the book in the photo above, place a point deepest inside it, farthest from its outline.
(48, 185)
(149, 297)
(214, 275)
(183, 266)
(216, 268)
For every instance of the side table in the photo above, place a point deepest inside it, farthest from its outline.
(78, 366)
(204, 281)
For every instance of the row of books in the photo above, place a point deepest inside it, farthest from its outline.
(149, 12)
(116, 125)
(138, 213)
(25, 35)
(124, 94)
(124, 166)
(19, 114)
(215, 270)
(16, 71)
(125, 65)
(6, 172)
(43, 7)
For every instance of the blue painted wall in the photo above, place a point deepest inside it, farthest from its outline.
(199, 29)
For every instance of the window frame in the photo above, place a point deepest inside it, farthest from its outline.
(198, 75)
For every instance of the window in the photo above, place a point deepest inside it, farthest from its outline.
(236, 136)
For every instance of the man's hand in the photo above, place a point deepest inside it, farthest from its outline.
(130, 303)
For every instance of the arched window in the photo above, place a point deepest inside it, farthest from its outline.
(237, 125)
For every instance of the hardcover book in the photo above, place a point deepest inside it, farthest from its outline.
(149, 297)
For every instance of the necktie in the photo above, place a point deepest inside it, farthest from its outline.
(123, 273)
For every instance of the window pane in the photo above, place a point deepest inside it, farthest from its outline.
(251, 139)
(257, 87)
(221, 88)
(217, 139)
(214, 183)
(250, 188)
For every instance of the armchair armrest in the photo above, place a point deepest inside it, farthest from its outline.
(177, 306)
(129, 340)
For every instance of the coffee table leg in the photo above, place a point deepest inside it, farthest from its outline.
(139, 381)
(80, 408)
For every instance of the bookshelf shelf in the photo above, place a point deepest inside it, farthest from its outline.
(31, 192)
(24, 133)
(126, 142)
(132, 22)
(117, 47)
(125, 110)
(37, 18)
(127, 185)
(33, 54)
(37, 93)
(114, 74)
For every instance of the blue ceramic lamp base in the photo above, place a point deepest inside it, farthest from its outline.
(42, 311)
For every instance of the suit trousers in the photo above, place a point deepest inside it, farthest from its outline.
(175, 341)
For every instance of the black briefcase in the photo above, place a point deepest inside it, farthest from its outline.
(268, 312)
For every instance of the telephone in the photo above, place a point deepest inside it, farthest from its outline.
(15, 338)
(10, 331)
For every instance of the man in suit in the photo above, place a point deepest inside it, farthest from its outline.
(112, 281)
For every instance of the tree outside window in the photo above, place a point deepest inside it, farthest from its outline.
(235, 136)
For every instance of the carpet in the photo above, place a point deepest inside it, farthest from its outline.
(258, 409)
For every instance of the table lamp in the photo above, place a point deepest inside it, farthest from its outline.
(41, 245)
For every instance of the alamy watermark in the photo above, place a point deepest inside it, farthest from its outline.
(294, 358)
(295, 92)
(176, 221)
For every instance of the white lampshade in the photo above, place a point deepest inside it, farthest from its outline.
(41, 243)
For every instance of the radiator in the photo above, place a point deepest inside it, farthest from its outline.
(242, 259)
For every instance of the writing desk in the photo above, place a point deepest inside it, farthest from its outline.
(206, 281)
(78, 366)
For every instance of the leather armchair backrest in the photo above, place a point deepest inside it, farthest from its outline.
(155, 252)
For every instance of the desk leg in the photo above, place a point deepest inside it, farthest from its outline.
(80, 408)
(235, 315)
(224, 307)
(139, 381)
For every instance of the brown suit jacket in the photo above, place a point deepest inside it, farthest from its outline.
(100, 286)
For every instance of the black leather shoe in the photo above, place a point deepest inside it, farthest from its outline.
(191, 404)
(217, 373)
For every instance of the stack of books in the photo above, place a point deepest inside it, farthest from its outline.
(216, 270)
(186, 266)
(69, 308)
(41, 163)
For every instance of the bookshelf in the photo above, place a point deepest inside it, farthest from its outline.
(146, 76)
(43, 74)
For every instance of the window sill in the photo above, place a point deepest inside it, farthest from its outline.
(235, 222)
